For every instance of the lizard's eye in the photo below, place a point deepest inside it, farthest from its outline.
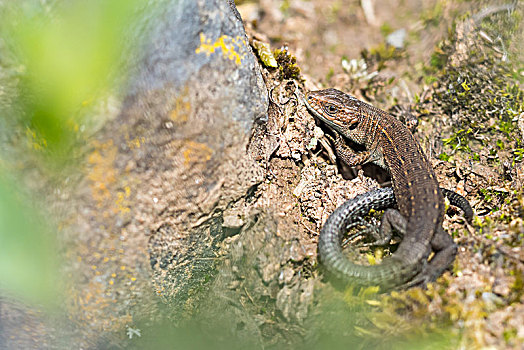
(330, 108)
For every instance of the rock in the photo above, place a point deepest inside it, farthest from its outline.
(396, 39)
(199, 76)
(146, 215)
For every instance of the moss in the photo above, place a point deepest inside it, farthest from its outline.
(479, 92)
(287, 65)
(264, 53)
(386, 29)
(444, 156)
(284, 7)
(433, 15)
(330, 74)
(518, 286)
(381, 54)
(510, 334)
(438, 59)
(476, 87)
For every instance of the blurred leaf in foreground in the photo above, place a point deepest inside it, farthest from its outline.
(28, 252)
(55, 61)
(67, 59)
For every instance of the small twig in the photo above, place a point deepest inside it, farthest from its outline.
(310, 230)
(488, 11)
(369, 12)
(249, 296)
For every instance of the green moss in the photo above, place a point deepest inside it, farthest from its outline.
(438, 60)
(330, 74)
(264, 53)
(479, 92)
(382, 53)
(518, 286)
(510, 334)
(386, 29)
(287, 64)
(433, 15)
(336, 7)
(493, 196)
(518, 154)
(444, 156)
(459, 141)
(284, 6)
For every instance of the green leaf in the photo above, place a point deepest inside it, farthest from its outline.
(28, 250)
(66, 61)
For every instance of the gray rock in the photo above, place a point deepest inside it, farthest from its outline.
(193, 98)
(146, 218)
(201, 44)
(397, 38)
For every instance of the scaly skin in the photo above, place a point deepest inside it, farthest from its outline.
(350, 213)
(419, 199)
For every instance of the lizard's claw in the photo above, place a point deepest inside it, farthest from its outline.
(424, 277)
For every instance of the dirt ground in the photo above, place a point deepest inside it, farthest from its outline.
(321, 33)
(457, 74)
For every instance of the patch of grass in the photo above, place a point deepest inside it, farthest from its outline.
(382, 53)
(432, 16)
(386, 29)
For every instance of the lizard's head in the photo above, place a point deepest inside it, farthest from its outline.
(338, 110)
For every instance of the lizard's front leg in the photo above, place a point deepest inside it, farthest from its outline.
(347, 154)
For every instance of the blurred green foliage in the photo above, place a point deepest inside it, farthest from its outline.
(56, 59)
(28, 252)
(67, 58)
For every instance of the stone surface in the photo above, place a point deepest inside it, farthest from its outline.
(180, 141)
(146, 212)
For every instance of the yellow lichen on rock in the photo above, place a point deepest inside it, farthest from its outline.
(135, 143)
(121, 199)
(196, 152)
(102, 174)
(182, 109)
(227, 44)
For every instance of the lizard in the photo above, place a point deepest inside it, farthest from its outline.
(416, 194)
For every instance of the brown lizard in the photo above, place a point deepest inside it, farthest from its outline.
(417, 195)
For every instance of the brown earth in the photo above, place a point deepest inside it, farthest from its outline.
(479, 303)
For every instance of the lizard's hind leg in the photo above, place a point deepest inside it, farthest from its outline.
(392, 221)
(445, 251)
